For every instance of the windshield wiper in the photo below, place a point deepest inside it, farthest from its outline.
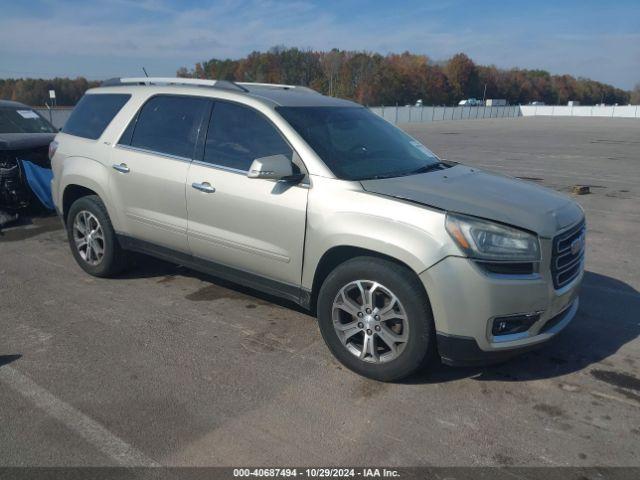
(423, 169)
(427, 168)
(380, 177)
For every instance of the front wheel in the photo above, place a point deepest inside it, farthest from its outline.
(376, 319)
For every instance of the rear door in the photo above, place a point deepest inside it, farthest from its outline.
(150, 166)
(253, 225)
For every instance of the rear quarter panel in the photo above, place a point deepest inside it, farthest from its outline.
(78, 162)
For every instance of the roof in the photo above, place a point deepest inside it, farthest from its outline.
(11, 103)
(296, 98)
(272, 94)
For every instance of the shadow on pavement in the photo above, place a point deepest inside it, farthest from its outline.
(144, 266)
(606, 321)
(7, 359)
(30, 226)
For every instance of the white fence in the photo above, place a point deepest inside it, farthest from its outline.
(618, 111)
(411, 114)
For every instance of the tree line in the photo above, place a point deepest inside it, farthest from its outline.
(35, 92)
(368, 78)
(374, 79)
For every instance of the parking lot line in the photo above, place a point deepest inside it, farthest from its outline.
(93, 432)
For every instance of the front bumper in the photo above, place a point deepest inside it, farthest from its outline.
(465, 299)
(464, 351)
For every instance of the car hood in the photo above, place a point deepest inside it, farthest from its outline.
(483, 194)
(24, 141)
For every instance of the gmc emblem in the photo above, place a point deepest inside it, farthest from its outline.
(577, 244)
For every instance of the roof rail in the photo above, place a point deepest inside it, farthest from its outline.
(278, 86)
(223, 84)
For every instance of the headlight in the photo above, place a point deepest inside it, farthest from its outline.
(487, 240)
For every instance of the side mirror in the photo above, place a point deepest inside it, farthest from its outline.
(273, 167)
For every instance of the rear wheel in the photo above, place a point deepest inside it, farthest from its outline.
(92, 239)
(376, 319)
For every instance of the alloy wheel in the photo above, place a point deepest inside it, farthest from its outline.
(88, 237)
(370, 321)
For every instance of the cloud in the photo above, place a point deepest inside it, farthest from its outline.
(228, 28)
(182, 33)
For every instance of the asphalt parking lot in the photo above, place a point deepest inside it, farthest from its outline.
(167, 366)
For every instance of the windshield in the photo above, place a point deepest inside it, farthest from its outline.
(356, 144)
(23, 120)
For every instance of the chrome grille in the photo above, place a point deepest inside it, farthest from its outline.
(567, 255)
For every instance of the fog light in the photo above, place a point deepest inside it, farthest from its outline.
(514, 323)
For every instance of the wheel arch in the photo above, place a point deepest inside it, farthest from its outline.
(82, 176)
(337, 255)
(73, 192)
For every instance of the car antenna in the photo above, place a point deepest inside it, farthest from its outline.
(145, 72)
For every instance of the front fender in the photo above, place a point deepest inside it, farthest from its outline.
(409, 233)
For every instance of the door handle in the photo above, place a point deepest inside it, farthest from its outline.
(122, 168)
(204, 187)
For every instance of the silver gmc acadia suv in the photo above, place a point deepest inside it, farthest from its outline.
(402, 256)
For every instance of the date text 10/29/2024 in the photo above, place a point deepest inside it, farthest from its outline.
(316, 472)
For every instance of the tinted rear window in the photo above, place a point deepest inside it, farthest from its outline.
(93, 113)
(170, 125)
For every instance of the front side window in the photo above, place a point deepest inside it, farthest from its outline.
(170, 125)
(357, 144)
(238, 135)
(23, 120)
(93, 114)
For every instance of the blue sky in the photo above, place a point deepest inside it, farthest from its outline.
(106, 38)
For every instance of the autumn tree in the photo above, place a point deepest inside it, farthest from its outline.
(35, 92)
(373, 79)
(463, 76)
(369, 78)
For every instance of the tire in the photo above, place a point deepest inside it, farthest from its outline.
(393, 280)
(112, 258)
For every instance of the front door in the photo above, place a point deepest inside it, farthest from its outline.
(150, 166)
(253, 225)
